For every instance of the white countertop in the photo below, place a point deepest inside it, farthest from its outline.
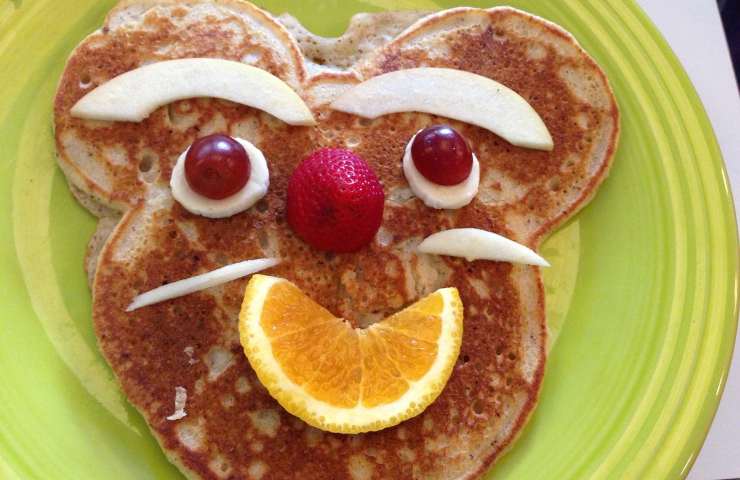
(710, 69)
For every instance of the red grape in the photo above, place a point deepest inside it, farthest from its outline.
(217, 166)
(442, 155)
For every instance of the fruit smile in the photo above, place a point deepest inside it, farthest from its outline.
(343, 379)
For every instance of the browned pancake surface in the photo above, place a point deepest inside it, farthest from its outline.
(233, 428)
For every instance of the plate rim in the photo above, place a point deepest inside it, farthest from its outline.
(710, 136)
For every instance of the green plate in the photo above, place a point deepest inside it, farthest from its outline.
(646, 275)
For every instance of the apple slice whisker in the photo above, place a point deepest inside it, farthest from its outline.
(476, 244)
(201, 282)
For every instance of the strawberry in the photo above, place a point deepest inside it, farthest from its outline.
(335, 201)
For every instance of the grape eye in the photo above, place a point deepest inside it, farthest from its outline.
(442, 155)
(441, 169)
(217, 166)
(219, 176)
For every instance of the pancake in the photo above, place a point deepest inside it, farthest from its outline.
(233, 428)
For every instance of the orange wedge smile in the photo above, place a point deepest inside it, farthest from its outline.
(346, 380)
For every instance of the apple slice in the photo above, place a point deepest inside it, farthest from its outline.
(476, 244)
(453, 94)
(132, 96)
(200, 282)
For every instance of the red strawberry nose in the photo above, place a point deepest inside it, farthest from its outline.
(335, 201)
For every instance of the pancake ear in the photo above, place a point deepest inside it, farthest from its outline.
(117, 164)
(534, 191)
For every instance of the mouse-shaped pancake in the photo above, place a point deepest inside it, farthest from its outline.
(121, 172)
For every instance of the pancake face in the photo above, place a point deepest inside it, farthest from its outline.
(233, 428)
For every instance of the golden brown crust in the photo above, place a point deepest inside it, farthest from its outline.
(234, 429)
(297, 59)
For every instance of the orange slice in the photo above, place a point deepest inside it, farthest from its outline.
(343, 379)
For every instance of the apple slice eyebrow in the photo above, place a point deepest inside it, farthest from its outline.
(451, 93)
(133, 95)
